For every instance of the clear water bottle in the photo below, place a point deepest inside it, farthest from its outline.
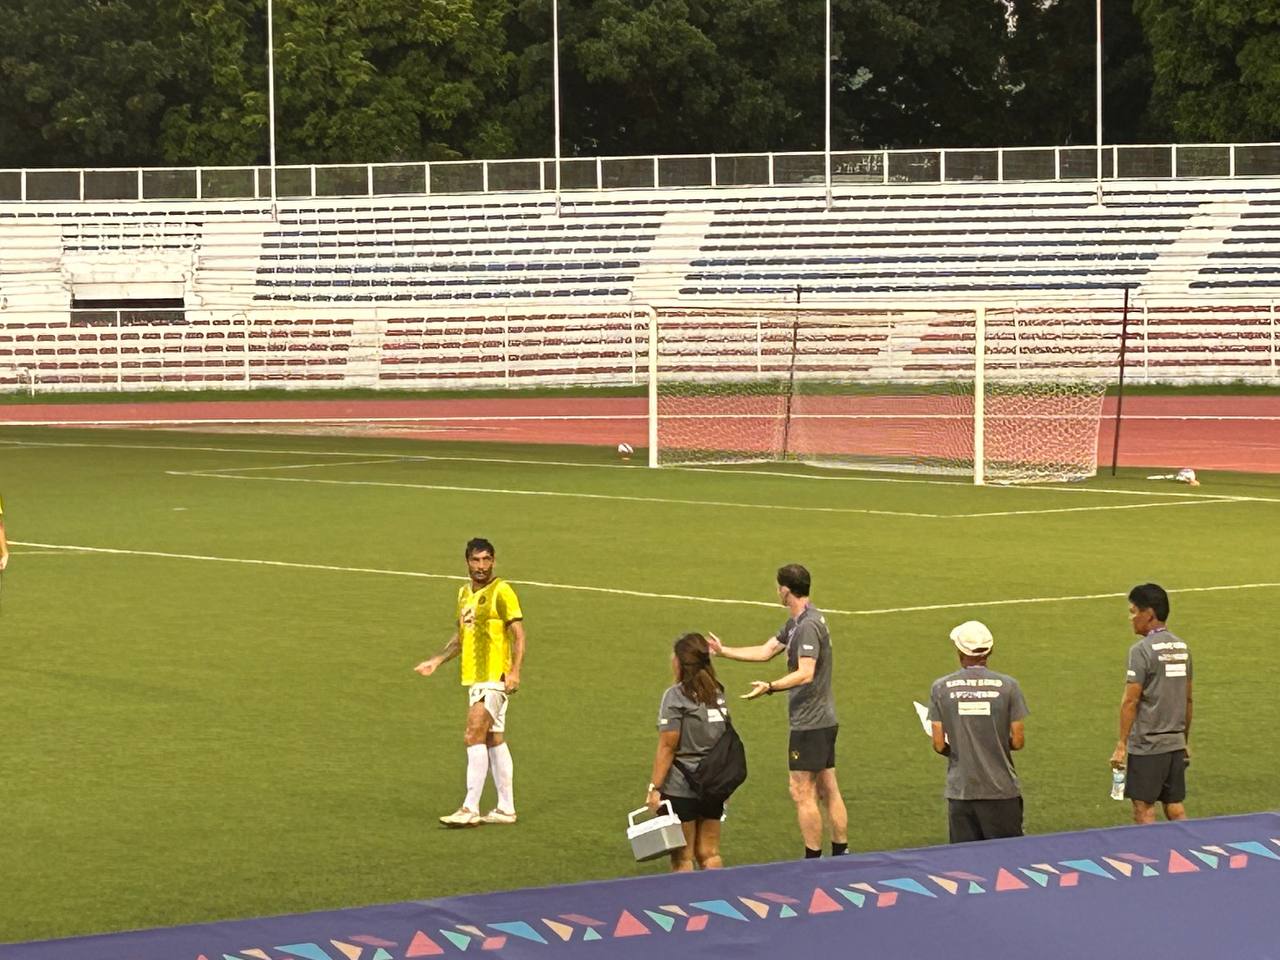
(1117, 783)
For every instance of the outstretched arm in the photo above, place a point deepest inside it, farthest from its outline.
(802, 674)
(428, 667)
(758, 654)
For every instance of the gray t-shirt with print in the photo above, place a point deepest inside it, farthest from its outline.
(976, 708)
(813, 705)
(700, 727)
(1160, 662)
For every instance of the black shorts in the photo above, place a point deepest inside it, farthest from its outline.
(689, 809)
(812, 749)
(984, 819)
(1156, 777)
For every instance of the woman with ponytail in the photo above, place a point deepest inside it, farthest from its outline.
(690, 721)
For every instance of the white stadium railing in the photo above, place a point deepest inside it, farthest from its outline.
(962, 165)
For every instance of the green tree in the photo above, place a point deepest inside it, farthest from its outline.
(83, 83)
(923, 72)
(668, 76)
(1053, 65)
(1217, 67)
(356, 81)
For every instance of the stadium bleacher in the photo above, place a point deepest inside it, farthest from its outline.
(480, 288)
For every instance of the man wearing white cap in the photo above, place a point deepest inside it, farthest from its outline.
(976, 716)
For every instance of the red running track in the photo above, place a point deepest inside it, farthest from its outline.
(1238, 433)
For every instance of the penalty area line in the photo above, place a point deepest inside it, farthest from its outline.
(377, 571)
(454, 488)
(616, 591)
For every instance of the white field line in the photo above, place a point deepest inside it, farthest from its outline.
(235, 473)
(967, 605)
(397, 573)
(843, 476)
(290, 466)
(1112, 506)
(323, 453)
(453, 488)
(978, 604)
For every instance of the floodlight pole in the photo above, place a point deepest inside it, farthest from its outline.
(271, 101)
(555, 85)
(826, 154)
(1097, 94)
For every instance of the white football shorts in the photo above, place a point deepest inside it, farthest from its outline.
(494, 697)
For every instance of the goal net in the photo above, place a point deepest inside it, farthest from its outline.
(1003, 394)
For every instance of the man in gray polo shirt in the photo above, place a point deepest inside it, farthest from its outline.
(1155, 713)
(976, 717)
(811, 708)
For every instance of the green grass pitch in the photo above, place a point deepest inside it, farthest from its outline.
(188, 738)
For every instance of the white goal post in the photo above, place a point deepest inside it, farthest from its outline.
(16, 377)
(1002, 393)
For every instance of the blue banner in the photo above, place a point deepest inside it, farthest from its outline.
(1196, 890)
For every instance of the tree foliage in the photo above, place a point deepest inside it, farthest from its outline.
(106, 82)
(1216, 66)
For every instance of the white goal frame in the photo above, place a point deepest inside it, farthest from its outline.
(1085, 309)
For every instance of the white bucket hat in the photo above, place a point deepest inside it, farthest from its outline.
(973, 638)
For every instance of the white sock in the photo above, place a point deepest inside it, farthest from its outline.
(477, 770)
(503, 773)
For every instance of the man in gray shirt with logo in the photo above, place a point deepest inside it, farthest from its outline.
(976, 718)
(1155, 714)
(811, 708)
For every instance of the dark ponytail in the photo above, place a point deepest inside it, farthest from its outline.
(697, 676)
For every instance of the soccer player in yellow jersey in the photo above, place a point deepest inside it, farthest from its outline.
(490, 639)
(4, 544)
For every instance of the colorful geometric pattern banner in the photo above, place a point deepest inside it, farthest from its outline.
(1198, 889)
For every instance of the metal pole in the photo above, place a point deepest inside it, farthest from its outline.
(1124, 340)
(1097, 95)
(791, 378)
(979, 396)
(555, 85)
(271, 100)
(826, 154)
(653, 386)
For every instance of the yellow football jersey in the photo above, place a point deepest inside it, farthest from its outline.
(483, 617)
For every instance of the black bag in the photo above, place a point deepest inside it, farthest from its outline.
(722, 770)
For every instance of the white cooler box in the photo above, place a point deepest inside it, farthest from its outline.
(655, 837)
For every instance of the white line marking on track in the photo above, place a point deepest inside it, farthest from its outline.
(965, 605)
(294, 421)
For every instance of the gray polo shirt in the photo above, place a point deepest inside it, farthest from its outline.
(811, 706)
(976, 707)
(1162, 664)
(700, 727)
